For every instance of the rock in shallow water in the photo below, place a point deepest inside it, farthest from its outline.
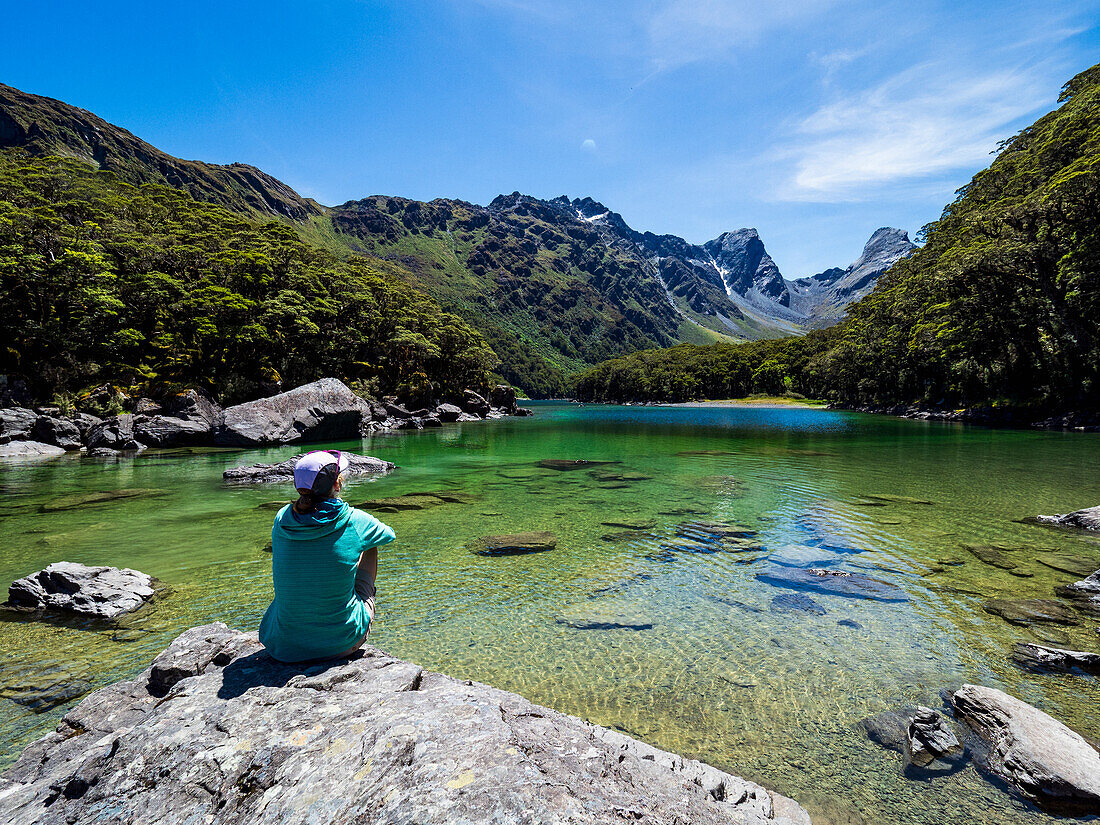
(1041, 658)
(1043, 759)
(536, 541)
(97, 592)
(837, 582)
(284, 470)
(1087, 519)
(1031, 611)
(28, 449)
(239, 738)
(929, 738)
(796, 603)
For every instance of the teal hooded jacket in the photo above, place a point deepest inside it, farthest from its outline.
(316, 613)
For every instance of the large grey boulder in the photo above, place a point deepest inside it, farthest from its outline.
(58, 431)
(16, 423)
(115, 433)
(284, 471)
(1087, 519)
(1035, 753)
(217, 731)
(169, 431)
(29, 449)
(325, 409)
(68, 587)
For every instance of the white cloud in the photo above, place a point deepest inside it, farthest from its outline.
(926, 121)
(588, 145)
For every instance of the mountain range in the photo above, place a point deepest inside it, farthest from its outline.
(554, 285)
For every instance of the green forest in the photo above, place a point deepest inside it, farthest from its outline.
(1001, 306)
(148, 289)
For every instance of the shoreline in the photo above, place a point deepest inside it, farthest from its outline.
(768, 403)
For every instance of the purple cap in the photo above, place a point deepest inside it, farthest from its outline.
(328, 464)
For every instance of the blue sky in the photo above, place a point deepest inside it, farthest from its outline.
(815, 121)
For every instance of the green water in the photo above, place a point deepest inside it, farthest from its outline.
(772, 696)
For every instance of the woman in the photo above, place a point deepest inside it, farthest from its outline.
(324, 562)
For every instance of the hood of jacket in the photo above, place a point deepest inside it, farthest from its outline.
(329, 517)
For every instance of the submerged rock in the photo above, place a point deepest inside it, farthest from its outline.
(796, 603)
(601, 615)
(568, 464)
(1041, 658)
(97, 592)
(1070, 563)
(240, 738)
(1039, 756)
(795, 555)
(1087, 519)
(78, 500)
(536, 541)
(394, 504)
(627, 523)
(1030, 611)
(837, 582)
(284, 470)
(993, 556)
(44, 690)
(325, 409)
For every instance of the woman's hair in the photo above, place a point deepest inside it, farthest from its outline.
(323, 486)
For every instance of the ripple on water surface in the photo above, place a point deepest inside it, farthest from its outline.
(676, 604)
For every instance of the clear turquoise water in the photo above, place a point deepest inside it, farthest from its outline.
(720, 676)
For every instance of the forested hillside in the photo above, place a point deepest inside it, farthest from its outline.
(148, 288)
(1000, 306)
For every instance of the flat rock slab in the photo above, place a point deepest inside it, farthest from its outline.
(395, 504)
(358, 465)
(628, 523)
(1087, 519)
(993, 556)
(511, 544)
(836, 582)
(96, 592)
(1031, 611)
(1039, 756)
(569, 464)
(1070, 563)
(29, 449)
(1041, 658)
(217, 731)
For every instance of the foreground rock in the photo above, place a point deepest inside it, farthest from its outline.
(325, 409)
(217, 731)
(96, 592)
(536, 541)
(1039, 756)
(1042, 658)
(1087, 519)
(284, 470)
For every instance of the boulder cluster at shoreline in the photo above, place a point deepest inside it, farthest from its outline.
(324, 409)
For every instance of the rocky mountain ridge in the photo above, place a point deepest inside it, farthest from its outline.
(553, 285)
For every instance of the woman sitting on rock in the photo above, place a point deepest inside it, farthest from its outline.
(324, 562)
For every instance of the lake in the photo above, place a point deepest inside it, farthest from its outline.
(641, 618)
